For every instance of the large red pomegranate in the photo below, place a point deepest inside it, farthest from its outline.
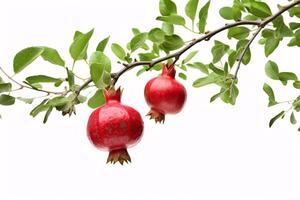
(114, 127)
(164, 94)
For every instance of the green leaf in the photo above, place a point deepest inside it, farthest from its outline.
(262, 41)
(272, 70)
(6, 100)
(296, 105)
(99, 63)
(58, 101)
(297, 35)
(135, 31)
(47, 114)
(102, 44)
(238, 32)
(142, 70)
(97, 100)
(26, 100)
(260, 9)
(296, 84)
(216, 70)
(182, 76)
(78, 48)
(293, 119)
(226, 69)
(106, 78)
(226, 13)
(272, 121)
(251, 18)
(137, 41)
(200, 66)
(214, 97)
(210, 79)
(219, 50)
(168, 28)
(230, 13)
(282, 30)
(294, 25)
(59, 82)
(189, 57)
(81, 99)
(25, 57)
(229, 95)
(156, 35)
(287, 76)
(71, 79)
(101, 59)
(172, 42)
(41, 79)
(294, 42)
(271, 45)
(167, 7)
(203, 17)
(232, 58)
(51, 55)
(268, 33)
(295, 11)
(39, 108)
(118, 51)
(240, 47)
(147, 56)
(172, 19)
(96, 72)
(5, 87)
(35, 86)
(269, 91)
(191, 8)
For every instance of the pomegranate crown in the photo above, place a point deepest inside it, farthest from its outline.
(113, 94)
(169, 70)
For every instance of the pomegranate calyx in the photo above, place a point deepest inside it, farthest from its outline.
(119, 155)
(157, 116)
(113, 94)
(169, 70)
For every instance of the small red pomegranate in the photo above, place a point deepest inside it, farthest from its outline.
(164, 94)
(115, 127)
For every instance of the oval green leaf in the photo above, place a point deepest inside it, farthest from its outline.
(25, 57)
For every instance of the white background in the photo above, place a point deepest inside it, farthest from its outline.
(208, 151)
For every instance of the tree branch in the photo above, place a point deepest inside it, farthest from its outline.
(206, 37)
(115, 76)
(260, 27)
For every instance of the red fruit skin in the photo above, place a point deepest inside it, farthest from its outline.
(114, 126)
(164, 94)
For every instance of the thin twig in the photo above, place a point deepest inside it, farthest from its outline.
(240, 59)
(25, 86)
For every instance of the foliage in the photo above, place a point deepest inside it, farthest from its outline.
(149, 49)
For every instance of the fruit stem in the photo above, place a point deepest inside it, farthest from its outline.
(118, 155)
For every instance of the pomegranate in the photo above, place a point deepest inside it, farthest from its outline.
(114, 127)
(164, 94)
